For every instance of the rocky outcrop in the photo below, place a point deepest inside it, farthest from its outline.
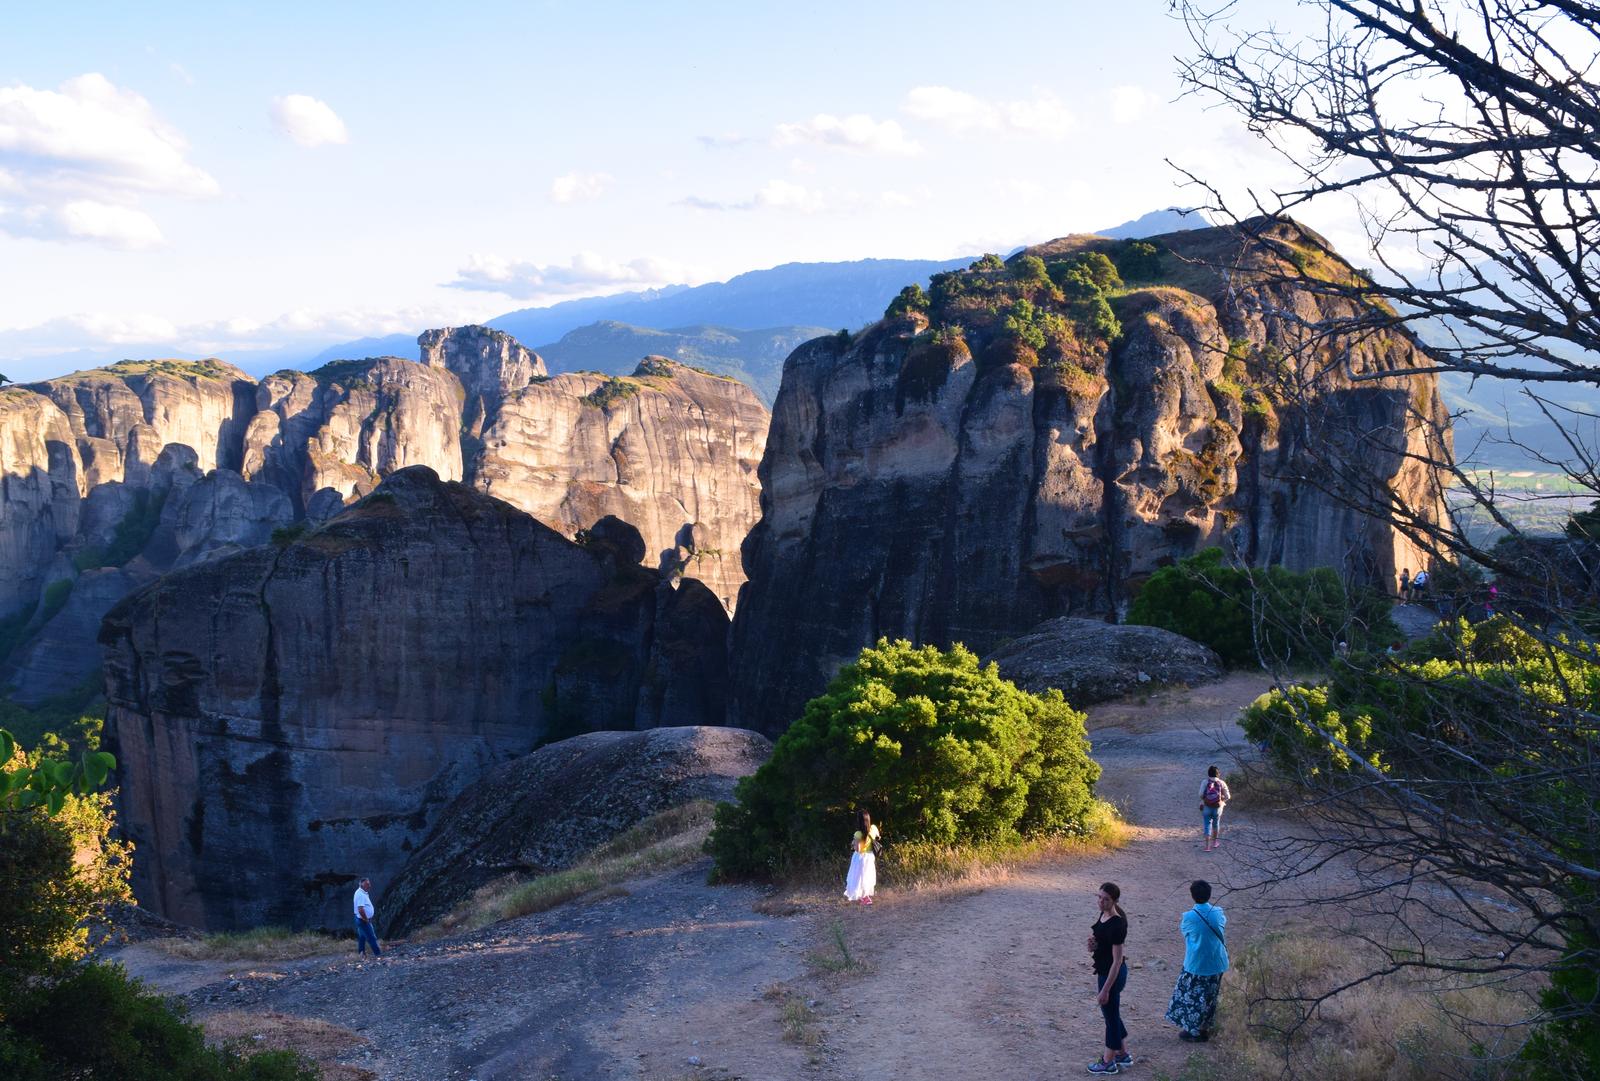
(491, 364)
(1090, 660)
(670, 450)
(39, 496)
(1034, 447)
(351, 423)
(322, 698)
(545, 811)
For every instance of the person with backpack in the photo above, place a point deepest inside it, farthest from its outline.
(1419, 587)
(1214, 796)
(1194, 1000)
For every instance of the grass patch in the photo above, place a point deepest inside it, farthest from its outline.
(270, 1030)
(260, 944)
(670, 839)
(1404, 1027)
(836, 956)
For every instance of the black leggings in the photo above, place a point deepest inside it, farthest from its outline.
(1116, 1031)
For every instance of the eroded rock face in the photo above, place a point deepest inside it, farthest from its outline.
(670, 450)
(294, 716)
(1090, 660)
(548, 809)
(947, 486)
(491, 365)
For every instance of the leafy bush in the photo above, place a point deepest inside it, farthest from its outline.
(989, 261)
(1300, 617)
(97, 1024)
(908, 300)
(936, 747)
(1138, 260)
(1030, 270)
(613, 390)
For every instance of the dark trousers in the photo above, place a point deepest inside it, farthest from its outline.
(1116, 1031)
(366, 934)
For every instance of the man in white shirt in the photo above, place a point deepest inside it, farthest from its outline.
(366, 929)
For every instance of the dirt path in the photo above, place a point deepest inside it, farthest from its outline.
(680, 980)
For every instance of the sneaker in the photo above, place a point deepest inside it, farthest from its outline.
(1100, 1066)
(866, 900)
(1123, 1060)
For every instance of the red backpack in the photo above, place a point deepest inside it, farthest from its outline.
(1213, 796)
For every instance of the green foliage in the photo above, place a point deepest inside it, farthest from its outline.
(1090, 266)
(14, 627)
(1029, 270)
(1022, 322)
(286, 535)
(55, 598)
(1570, 1046)
(612, 391)
(36, 781)
(938, 748)
(98, 1024)
(130, 536)
(1584, 525)
(910, 299)
(1302, 616)
(989, 262)
(1138, 260)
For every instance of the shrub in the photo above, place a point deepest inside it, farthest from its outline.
(613, 390)
(938, 748)
(1300, 617)
(910, 299)
(1138, 260)
(98, 1024)
(989, 261)
(1029, 269)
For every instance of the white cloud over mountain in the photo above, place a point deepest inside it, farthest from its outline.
(309, 121)
(76, 161)
(585, 273)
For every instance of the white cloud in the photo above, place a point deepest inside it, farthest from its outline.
(587, 273)
(579, 187)
(75, 161)
(774, 195)
(307, 120)
(857, 132)
(1044, 116)
(1130, 103)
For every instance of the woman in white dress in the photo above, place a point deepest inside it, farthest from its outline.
(862, 880)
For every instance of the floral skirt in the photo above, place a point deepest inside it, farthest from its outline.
(1194, 1002)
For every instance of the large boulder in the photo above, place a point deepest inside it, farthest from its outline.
(1090, 660)
(319, 700)
(544, 811)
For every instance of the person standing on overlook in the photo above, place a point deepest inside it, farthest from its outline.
(366, 929)
(1205, 959)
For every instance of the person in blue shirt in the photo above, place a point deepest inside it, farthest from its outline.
(1205, 959)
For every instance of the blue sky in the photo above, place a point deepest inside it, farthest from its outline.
(225, 177)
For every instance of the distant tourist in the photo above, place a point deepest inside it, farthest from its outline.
(366, 929)
(1214, 796)
(1205, 959)
(1405, 585)
(862, 880)
(1419, 587)
(1106, 939)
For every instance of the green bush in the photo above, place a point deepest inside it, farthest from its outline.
(97, 1024)
(1030, 270)
(936, 747)
(1300, 617)
(988, 261)
(910, 299)
(1138, 260)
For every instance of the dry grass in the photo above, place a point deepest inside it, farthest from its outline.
(319, 1041)
(663, 841)
(260, 944)
(1398, 1028)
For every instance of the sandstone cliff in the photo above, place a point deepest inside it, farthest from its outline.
(670, 450)
(673, 452)
(291, 717)
(1037, 438)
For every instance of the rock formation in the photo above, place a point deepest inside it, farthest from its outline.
(673, 452)
(670, 450)
(545, 811)
(1090, 660)
(1035, 440)
(293, 716)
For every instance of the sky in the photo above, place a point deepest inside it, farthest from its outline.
(222, 178)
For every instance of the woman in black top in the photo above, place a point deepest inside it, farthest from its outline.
(1106, 940)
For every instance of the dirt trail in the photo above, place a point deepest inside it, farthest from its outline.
(675, 979)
